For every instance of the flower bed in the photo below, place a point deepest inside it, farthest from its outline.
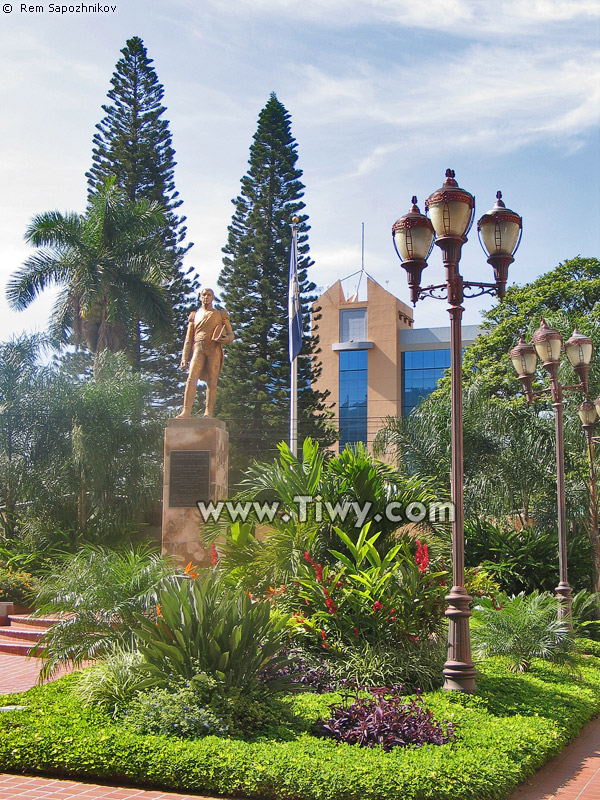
(504, 733)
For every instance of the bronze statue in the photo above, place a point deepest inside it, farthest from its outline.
(208, 330)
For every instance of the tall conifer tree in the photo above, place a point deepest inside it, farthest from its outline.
(254, 385)
(133, 142)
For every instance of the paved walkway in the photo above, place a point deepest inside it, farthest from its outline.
(573, 775)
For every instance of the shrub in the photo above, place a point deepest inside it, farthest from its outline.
(369, 597)
(205, 626)
(385, 718)
(112, 683)
(524, 628)
(17, 586)
(198, 708)
(524, 560)
(183, 711)
(584, 612)
(589, 647)
(480, 582)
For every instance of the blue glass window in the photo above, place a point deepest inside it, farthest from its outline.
(353, 397)
(421, 371)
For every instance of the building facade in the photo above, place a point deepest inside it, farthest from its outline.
(374, 363)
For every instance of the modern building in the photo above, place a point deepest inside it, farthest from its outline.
(374, 363)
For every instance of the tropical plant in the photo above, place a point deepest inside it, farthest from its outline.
(110, 264)
(585, 612)
(20, 382)
(386, 719)
(77, 456)
(523, 628)
(306, 497)
(523, 560)
(97, 593)
(367, 597)
(414, 664)
(203, 625)
(112, 683)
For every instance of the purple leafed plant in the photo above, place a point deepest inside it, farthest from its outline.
(316, 678)
(386, 718)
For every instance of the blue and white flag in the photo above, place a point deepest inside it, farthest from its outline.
(294, 313)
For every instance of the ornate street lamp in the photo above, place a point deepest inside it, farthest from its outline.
(451, 211)
(548, 345)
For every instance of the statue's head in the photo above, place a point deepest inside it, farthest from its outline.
(207, 296)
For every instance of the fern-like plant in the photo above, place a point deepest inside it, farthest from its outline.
(524, 628)
(96, 592)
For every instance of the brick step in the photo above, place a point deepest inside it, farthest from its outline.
(27, 633)
(29, 619)
(17, 647)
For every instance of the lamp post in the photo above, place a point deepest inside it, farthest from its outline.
(451, 211)
(547, 345)
(588, 416)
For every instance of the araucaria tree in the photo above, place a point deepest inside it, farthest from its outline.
(254, 386)
(133, 143)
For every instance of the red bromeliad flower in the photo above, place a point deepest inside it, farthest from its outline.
(355, 632)
(318, 568)
(377, 606)
(331, 606)
(214, 554)
(324, 636)
(422, 556)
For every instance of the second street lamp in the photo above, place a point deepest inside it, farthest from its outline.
(451, 211)
(548, 345)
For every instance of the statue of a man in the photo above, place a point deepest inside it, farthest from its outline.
(208, 330)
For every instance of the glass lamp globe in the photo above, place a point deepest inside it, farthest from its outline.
(451, 208)
(579, 349)
(587, 413)
(500, 230)
(548, 343)
(524, 358)
(413, 235)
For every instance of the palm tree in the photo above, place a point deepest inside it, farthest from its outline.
(19, 380)
(110, 263)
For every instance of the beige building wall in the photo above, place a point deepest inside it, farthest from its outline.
(386, 317)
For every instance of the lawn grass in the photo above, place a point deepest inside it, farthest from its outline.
(507, 730)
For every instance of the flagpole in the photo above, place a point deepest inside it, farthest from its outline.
(294, 408)
(294, 361)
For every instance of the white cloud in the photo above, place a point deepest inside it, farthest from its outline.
(500, 98)
(463, 17)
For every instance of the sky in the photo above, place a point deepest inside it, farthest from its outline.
(384, 95)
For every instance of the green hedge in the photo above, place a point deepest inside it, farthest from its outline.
(506, 731)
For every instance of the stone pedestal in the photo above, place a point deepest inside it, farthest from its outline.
(196, 464)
